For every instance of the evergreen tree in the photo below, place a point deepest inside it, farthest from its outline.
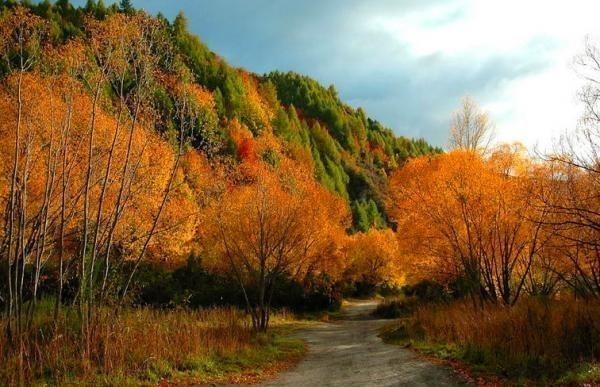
(126, 6)
(219, 102)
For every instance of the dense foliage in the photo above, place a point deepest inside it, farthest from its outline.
(126, 140)
(138, 168)
(351, 154)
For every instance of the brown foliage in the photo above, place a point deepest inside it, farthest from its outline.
(137, 343)
(534, 338)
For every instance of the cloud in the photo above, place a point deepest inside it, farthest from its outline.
(409, 62)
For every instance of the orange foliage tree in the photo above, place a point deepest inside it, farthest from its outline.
(462, 217)
(270, 225)
(373, 258)
(85, 176)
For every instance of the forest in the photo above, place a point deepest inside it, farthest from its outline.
(167, 216)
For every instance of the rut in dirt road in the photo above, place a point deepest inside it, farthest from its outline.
(349, 353)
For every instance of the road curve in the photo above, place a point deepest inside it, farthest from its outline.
(348, 352)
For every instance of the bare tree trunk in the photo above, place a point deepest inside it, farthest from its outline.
(105, 184)
(156, 217)
(44, 220)
(183, 118)
(120, 202)
(63, 203)
(11, 206)
(82, 285)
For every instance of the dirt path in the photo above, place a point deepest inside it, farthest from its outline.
(349, 353)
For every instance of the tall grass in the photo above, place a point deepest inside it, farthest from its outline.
(534, 339)
(396, 307)
(142, 344)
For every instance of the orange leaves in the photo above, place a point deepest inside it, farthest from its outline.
(204, 98)
(243, 140)
(245, 149)
(194, 95)
(374, 257)
(198, 173)
(256, 225)
(280, 220)
(122, 40)
(20, 28)
(59, 125)
(38, 131)
(510, 160)
(460, 215)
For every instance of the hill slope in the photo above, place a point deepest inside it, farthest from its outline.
(351, 154)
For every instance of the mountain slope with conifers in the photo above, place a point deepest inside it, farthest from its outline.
(351, 153)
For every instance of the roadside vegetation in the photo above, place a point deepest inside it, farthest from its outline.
(536, 340)
(506, 244)
(144, 346)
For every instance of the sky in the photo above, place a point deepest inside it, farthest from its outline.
(409, 62)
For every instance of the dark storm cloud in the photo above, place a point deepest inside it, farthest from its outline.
(333, 42)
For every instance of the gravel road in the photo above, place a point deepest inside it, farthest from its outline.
(348, 352)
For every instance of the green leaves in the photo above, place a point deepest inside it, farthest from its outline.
(366, 215)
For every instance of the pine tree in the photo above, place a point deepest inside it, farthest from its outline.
(219, 102)
(126, 7)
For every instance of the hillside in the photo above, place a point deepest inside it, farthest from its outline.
(167, 218)
(351, 154)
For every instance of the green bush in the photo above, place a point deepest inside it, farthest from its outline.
(194, 287)
(395, 308)
(427, 291)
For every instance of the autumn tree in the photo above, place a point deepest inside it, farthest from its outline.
(572, 185)
(269, 226)
(21, 36)
(462, 216)
(91, 175)
(373, 258)
(471, 128)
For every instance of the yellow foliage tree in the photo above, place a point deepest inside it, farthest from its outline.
(374, 258)
(271, 225)
(461, 216)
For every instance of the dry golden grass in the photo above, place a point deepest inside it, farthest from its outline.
(140, 346)
(534, 339)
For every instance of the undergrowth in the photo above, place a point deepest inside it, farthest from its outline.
(543, 341)
(145, 346)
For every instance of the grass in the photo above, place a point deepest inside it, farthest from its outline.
(395, 307)
(146, 347)
(270, 353)
(322, 316)
(582, 374)
(535, 341)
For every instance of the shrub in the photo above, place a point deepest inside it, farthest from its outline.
(534, 339)
(193, 286)
(427, 291)
(315, 293)
(395, 308)
(360, 289)
(389, 290)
